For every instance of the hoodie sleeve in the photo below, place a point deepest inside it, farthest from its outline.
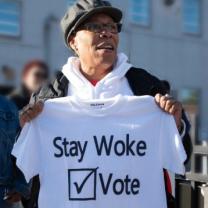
(57, 88)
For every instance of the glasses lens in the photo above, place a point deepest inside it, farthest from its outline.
(112, 28)
(94, 27)
(98, 28)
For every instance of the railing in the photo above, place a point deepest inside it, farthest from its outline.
(192, 192)
(202, 151)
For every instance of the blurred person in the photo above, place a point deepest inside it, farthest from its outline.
(91, 29)
(12, 182)
(34, 74)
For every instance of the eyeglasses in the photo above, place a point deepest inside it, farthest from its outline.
(39, 75)
(99, 28)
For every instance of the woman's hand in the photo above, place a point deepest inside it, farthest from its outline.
(30, 112)
(168, 104)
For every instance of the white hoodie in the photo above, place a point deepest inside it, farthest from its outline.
(112, 84)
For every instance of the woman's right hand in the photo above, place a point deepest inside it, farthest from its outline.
(29, 112)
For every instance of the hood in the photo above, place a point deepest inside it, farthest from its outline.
(109, 86)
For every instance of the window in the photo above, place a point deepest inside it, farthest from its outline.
(191, 16)
(9, 18)
(70, 2)
(140, 12)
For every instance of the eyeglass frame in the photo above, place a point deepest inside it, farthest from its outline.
(84, 27)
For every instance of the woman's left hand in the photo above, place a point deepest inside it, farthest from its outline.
(168, 104)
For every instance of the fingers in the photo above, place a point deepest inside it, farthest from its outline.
(171, 106)
(30, 112)
(177, 106)
(167, 103)
(157, 98)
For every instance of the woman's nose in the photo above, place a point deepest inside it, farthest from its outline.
(105, 34)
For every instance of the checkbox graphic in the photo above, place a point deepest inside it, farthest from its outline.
(82, 184)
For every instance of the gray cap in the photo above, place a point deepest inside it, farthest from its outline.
(82, 10)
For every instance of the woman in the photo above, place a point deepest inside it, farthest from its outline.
(91, 29)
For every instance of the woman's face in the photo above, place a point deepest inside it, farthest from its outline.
(97, 50)
(35, 78)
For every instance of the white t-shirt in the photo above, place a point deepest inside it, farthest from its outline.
(100, 153)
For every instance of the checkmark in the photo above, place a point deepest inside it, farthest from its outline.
(82, 184)
(79, 188)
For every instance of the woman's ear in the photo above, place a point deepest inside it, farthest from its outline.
(72, 44)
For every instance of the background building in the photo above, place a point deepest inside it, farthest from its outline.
(169, 38)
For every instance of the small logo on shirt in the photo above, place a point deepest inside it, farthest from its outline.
(97, 105)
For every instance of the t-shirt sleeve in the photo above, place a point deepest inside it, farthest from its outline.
(27, 151)
(172, 151)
